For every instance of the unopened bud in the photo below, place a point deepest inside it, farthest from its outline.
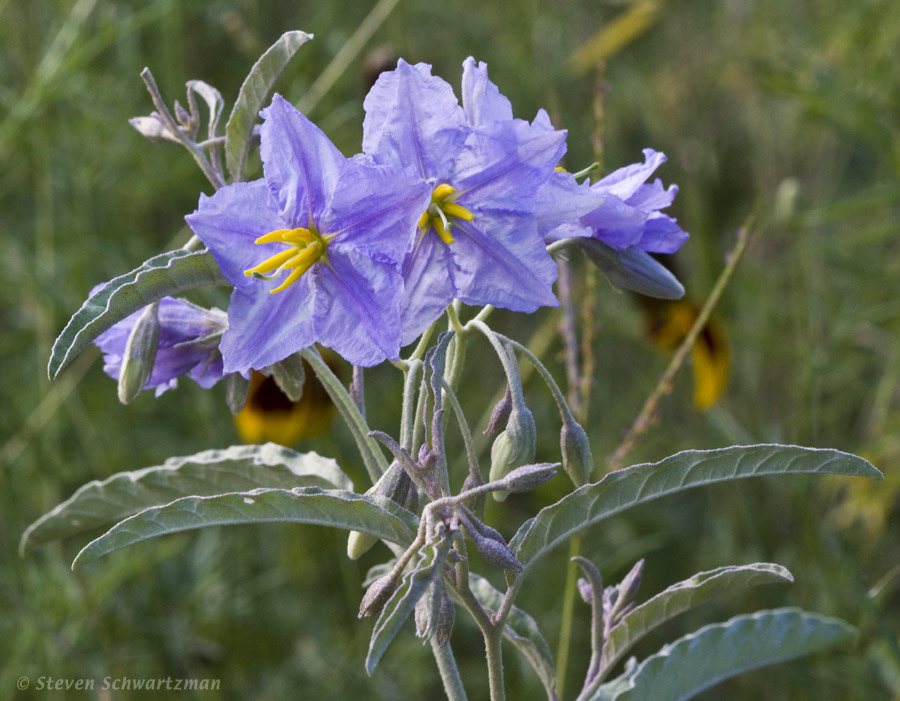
(181, 114)
(628, 587)
(527, 477)
(500, 414)
(377, 595)
(140, 354)
(496, 553)
(578, 461)
(446, 618)
(395, 485)
(585, 590)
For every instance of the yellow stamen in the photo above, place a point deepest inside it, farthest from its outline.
(441, 230)
(424, 220)
(441, 191)
(272, 263)
(305, 247)
(304, 261)
(451, 209)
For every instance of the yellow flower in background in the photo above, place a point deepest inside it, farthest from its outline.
(667, 324)
(270, 416)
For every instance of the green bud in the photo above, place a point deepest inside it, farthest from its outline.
(377, 595)
(513, 447)
(527, 477)
(140, 354)
(578, 461)
(358, 544)
(394, 484)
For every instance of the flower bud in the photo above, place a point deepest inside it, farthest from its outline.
(514, 446)
(495, 553)
(140, 354)
(377, 595)
(500, 414)
(527, 477)
(396, 486)
(578, 461)
(446, 618)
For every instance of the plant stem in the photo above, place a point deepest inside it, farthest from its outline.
(446, 664)
(493, 652)
(568, 609)
(374, 459)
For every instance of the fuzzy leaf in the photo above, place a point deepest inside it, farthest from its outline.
(623, 489)
(522, 631)
(253, 95)
(697, 661)
(685, 595)
(236, 469)
(335, 507)
(165, 274)
(415, 583)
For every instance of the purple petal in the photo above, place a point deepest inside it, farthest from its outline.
(624, 182)
(653, 196)
(481, 99)
(505, 164)
(264, 328)
(376, 208)
(357, 307)
(230, 221)
(616, 223)
(501, 260)
(662, 234)
(562, 200)
(428, 287)
(300, 163)
(413, 118)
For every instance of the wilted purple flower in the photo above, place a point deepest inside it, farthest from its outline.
(313, 249)
(188, 345)
(477, 239)
(621, 210)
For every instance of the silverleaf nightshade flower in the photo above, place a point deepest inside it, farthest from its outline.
(476, 240)
(622, 210)
(313, 249)
(188, 345)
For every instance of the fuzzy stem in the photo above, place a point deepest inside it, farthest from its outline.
(446, 664)
(494, 654)
(372, 457)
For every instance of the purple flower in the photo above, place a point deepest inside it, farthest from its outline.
(313, 249)
(621, 210)
(477, 240)
(188, 345)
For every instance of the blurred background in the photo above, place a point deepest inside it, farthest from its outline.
(789, 111)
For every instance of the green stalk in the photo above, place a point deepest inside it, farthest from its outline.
(374, 459)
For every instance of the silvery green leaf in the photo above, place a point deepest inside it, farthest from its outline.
(415, 583)
(682, 596)
(236, 469)
(153, 128)
(213, 99)
(625, 488)
(522, 631)
(165, 274)
(333, 507)
(254, 93)
(722, 650)
(632, 269)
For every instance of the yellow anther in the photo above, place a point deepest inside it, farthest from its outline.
(272, 263)
(442, 191)
(424, 221)
(300, 264)
(451, 209)
(305, 247)
(560, 169)
(441, 230)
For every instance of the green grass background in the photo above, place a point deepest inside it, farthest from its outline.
(790, 111)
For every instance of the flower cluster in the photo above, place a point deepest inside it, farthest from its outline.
(449, 200)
